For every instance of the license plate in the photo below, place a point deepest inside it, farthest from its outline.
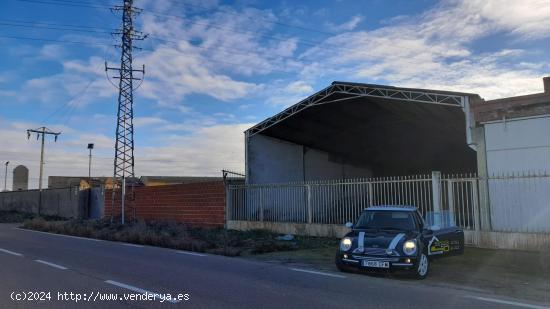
(376, 264)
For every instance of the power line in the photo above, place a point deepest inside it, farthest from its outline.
(160, 14)
(183, 4)
(15, 37)
(52, 24)
(66, 3)
(51, 28)
(255, 20)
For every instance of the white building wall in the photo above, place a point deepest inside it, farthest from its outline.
(271, 160)
(518, 147)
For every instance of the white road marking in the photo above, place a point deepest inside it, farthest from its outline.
(506, 302)
(190, 253)
(51, 264)
(132, 245)
(138, 290)
(318, 273)
(68, 236)
(10, 252)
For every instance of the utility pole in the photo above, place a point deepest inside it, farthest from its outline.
(124, 145)
(90, 147)
(6, 178)
(41, 133)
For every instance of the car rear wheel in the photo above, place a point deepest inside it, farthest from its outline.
(423, 266)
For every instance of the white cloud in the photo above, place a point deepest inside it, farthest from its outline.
(299, 87)
(173, 74)
(528, 19)
(347, 26)
(83, 81)
(433, 51)
(205, 150)
(148, 121)
(290, 93)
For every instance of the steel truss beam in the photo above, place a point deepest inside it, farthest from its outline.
(358, 91)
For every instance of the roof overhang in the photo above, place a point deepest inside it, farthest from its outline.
(345, 91)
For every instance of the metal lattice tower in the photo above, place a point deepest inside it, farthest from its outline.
(124, 146)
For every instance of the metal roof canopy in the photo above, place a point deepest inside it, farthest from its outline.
(381, 126)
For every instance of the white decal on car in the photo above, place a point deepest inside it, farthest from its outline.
(361, 242)
(395, 241)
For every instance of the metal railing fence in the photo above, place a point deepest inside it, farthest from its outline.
(340, 201)
(515, 202)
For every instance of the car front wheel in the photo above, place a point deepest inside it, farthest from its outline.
(422, 267)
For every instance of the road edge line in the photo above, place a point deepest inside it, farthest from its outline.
(506, 302)
(318, 273)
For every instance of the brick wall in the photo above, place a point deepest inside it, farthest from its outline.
(197, 204)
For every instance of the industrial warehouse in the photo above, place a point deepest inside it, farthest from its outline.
(351, 145)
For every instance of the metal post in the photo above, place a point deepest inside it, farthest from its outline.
(371, 194)
(309, 210)
(123, 197)
(261, 205)
(41, 164)
(450, 196)
(6, 177)
(90, 168)
(436, 191)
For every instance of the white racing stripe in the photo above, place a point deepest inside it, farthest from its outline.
(139, 290)
(361, 242)
(54, 234)
(395, 241)
(51, 264)
(506, 302)
(10, 252)
(318, 273)
(190, 253)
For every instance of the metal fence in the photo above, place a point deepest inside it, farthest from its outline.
(518, 203)
(340, 201)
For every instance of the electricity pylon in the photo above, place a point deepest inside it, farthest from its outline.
(124, 145)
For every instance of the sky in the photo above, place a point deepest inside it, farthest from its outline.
(214, 68)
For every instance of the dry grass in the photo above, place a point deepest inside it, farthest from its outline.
(12, 216)
(178, 236)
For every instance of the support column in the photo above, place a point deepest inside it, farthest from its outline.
(483, 174)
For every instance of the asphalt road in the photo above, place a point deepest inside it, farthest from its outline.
(40, 262)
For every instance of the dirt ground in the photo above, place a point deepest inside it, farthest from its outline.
(517, 274)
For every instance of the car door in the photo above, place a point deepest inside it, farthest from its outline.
(447, 238)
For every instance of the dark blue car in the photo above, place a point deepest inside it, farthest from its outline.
(397, 238)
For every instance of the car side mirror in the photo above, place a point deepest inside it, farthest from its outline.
(349, 225)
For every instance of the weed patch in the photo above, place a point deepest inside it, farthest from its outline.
(179, 236)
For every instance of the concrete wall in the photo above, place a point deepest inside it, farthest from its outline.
(97, 203)
(67, 203)
(519, 145)
(271, 160)
(490, 240)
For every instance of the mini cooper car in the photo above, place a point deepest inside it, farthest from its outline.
(397, 238)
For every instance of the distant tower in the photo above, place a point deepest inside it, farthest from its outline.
(20, 178)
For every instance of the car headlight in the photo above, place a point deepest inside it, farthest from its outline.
(409, 247)
(345, 244)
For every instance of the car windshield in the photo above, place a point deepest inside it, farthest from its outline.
(386, 220)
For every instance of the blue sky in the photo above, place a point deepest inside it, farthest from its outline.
(214, 68)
